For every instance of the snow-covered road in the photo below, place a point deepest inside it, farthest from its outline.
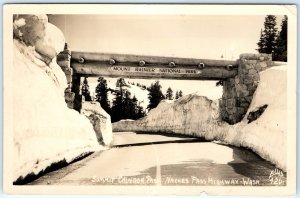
(158, 159)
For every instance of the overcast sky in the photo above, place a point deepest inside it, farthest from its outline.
(201, 36)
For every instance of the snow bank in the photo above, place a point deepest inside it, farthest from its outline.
(100, 120)
(191, 115)
(45, 130)
(198, 116)
(267, 135)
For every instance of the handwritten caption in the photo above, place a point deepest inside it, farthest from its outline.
(192, 180)
(276, 177)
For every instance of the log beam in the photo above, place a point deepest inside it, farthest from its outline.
(137, 66)
(148, 60)
(184, 73)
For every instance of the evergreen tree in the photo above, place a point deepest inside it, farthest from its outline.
(266, 43)
(261, 42)
(155, 95)
(118, 102)
(138, 109)
(117, 106)
(169, 94)
(134, 102)
(280, 51)
(121, 83)
(125, 107)
(101, 94)
(180, 94)
(176, 95)
(128, 107)
(85, 90)
(140, 112)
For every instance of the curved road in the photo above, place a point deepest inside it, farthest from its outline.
(160, 159)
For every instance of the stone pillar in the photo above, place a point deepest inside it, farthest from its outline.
(228, 101)
(64, 61)
(238, 91)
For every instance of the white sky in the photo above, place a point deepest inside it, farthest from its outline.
(199, 36)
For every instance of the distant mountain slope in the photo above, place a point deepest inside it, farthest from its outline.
(140, 93)
(205, 88)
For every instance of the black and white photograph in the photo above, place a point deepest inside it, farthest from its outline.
(150, 99)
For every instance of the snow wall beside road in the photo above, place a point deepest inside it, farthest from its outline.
(191, 115)
(45, 130)
(198, 116)
(100, 120)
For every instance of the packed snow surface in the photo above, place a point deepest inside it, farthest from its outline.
(198, 116)
(45, 130)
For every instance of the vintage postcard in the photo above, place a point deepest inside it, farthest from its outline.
(150, 99)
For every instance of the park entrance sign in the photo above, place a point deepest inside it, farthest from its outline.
(133, 66)
(239, 77)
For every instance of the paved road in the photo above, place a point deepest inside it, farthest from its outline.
(159, 159)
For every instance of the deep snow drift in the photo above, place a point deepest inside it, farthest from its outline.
(45, 130)
(267, 135)
(198, 116)
(187, 115)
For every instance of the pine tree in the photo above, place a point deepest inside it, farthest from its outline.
(280, 51)
(266, 43)
(140, 111)
(125, 107)
(117, 106)
(85, 90)
(121, 82)
(180, 94)
(134, 112)
(155, 95)
(169, 94)
(261, 42)
(101, 94)
(176, 95)
(129, 106)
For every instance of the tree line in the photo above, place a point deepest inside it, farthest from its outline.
(155, 95)
(273, 41)
(124, 105)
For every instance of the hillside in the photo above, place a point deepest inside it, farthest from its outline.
(206, 88)
(140, 93)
